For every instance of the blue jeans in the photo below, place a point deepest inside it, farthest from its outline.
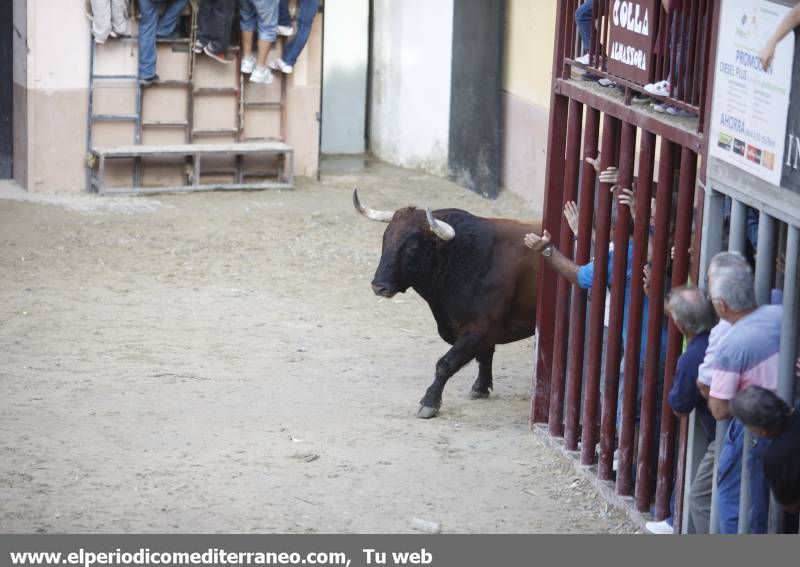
(729, 478)
(152, 26)
(583, 19)
(284, 17)
(261, 15)
(305, 17)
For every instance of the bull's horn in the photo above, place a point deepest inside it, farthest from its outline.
(371, 214)
(440, 228)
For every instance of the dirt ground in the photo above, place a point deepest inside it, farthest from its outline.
(218, 363)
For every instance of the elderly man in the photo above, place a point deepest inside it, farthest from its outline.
(694, 317)
(748, 356)
(768, 416)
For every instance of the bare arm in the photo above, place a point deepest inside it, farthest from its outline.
(720, 409)
(791, 21)
(705, 389)
(557, 260)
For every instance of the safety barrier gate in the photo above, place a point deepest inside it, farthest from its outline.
(579, 361)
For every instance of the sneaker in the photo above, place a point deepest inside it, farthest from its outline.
(113, 34)
(198, 46)
(248, 64)
(583, 59)
(221, 56)
(660, 88)
(660, 528)
(148, 81)
(280, 65)
(607, 83)
(679, 112)
(261, 75)
(641, 98)
(285, 31)
(659, 107)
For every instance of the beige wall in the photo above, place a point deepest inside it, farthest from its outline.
(527, 72)
(51, 81)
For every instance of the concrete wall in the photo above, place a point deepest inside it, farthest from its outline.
(51, 89)
(344, 93)
(530, 32)
(410, 106)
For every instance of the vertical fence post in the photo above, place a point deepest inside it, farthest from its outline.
(633, 346)
(599, 282)
(622, 240)
(573, 162)
(655, 313)
(582, 253)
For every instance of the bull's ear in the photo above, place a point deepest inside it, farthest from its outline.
(440, 228)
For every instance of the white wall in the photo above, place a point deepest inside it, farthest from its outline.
(410, 114)
(344, 76)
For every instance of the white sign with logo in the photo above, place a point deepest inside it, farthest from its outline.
(748, 119)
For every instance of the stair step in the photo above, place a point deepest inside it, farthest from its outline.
(166, 124)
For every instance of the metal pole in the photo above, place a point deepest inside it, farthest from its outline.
(633, 340)
(573, 161)
(737, 227)
(599, 282)
(578, 306)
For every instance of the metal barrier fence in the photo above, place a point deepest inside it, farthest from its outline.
(599, 387)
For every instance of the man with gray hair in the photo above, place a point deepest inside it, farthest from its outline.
(694, 317)
(748, 356)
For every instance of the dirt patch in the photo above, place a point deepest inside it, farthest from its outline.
(218, 363)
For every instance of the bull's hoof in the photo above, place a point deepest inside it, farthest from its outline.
(478, 394)
(426, 412)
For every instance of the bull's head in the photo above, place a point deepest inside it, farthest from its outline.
(409, 243)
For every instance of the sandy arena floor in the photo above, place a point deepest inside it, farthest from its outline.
(218, 363)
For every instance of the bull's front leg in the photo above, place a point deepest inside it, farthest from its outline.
(483, 383)
(464, 350)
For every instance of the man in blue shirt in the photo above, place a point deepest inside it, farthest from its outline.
(694, 316)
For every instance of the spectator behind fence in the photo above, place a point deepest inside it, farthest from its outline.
(109, 19)
(747, 356)
(214, 20)
(694, 317)
(768, 416)
(291, 51)
(261, 15)
(153, 26)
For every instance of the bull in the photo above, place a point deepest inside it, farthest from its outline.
(476, 275)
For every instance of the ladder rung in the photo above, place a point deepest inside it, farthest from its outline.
(170, 40)
(171, 83)
(114, 117)
(116, 77)
(214, 131)
(166, 124)
(262, 139)
(263, 104)
(215, 90)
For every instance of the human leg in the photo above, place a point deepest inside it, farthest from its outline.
(119, 16)
(169, 19)
(305, 19)
(729, 479)
(700, 491)
(101, 20)
(583, 20)
(148, 10)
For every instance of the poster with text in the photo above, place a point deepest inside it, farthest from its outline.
(748, 120)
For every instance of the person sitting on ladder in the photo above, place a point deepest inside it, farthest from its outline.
(261, 15)
(152, 26)
(292, 50)
(109, 19)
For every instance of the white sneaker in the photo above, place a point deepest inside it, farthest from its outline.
(248, 64)
(659, 107)
(285, 30)
(675, 111)
(659, 528)
(261, 75)
(279, 65)
(606, 82)
(660, 88)
(583, 59)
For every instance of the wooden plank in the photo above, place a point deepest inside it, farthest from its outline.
(191, 189)
(179, 149)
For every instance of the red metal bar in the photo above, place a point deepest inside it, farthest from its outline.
(591, 132)
(680, 273)
(546, 300)
(568, 37)
(633, 346)
(570, 193)
(594, 38)
(644, 461)
(646, 121)
(674, 21)
(710, 53)
(608, 423)
(599, 281)
(683, 67)
(693, 47)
